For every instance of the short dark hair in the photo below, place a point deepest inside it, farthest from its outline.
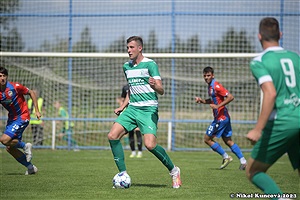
(138, 39)
(4, 71)
(208, 69)
(269, 29)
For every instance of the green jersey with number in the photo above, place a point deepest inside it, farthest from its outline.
(141, 94)
(282, 68)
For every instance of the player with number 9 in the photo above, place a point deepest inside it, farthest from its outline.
(278, 126)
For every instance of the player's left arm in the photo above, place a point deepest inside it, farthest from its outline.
(156, 85)
(35, 103)
(155, 81)
(228, 97)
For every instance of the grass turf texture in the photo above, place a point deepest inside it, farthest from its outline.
(88, 174)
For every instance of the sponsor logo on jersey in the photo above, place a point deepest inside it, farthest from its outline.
(294, 99)
(136, 81)
(10, 93)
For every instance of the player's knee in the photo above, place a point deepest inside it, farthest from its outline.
(114, 135)
(150, 145)
(207, 140)
(251, 172)
(4, 142)
(5, 139)
(111, 136)
(229, 143)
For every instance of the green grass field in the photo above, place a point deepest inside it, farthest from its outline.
(88, 174)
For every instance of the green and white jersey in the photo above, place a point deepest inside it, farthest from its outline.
(282, 68)
(141, 94)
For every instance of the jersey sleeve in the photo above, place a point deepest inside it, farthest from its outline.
(21, 89)
(220, 89)
(259, 72)
(153, 70)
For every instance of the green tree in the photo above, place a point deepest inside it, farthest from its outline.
(179, 46)
(231, 42)
(45, 46)
(13, 41)
(85, 43)
(117, 46)
(10, 38)
(193, 44)
(152, 43)
(7, 7)
(61, 45)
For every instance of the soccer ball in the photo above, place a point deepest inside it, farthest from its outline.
(121, 181)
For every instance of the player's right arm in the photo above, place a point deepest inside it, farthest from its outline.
(265, 81)
(123, 105)
(269, 97)
(204, 101)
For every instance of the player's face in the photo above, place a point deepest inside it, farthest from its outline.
(3, 79)
(208, 77)
(133, 50)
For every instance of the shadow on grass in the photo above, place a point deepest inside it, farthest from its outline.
(14, 174)
(148, 185)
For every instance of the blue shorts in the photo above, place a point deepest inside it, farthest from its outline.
(220, 128)
(14, 129)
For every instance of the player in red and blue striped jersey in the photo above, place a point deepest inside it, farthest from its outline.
(12, 99)
(221, 125)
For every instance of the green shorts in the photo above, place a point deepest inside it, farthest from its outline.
(274, 143)
(145, 118)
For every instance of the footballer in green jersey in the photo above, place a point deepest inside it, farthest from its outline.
(278, 126)
(141, 109)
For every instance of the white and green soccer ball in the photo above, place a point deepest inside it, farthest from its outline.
(121, 181)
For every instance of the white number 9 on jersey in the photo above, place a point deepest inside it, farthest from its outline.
(288, 70)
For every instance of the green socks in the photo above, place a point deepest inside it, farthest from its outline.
(117, 150)
(158, 151)
(161, 154)
(265, 183)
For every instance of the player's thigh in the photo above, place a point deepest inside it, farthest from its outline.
(147, 121)
(211, 130)
(273, 144)
(14, 129)
(4, 139)
(127, 119)
(225, 128)
(219, 128)
(116, 132)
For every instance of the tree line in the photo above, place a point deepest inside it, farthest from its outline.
(11, 40)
